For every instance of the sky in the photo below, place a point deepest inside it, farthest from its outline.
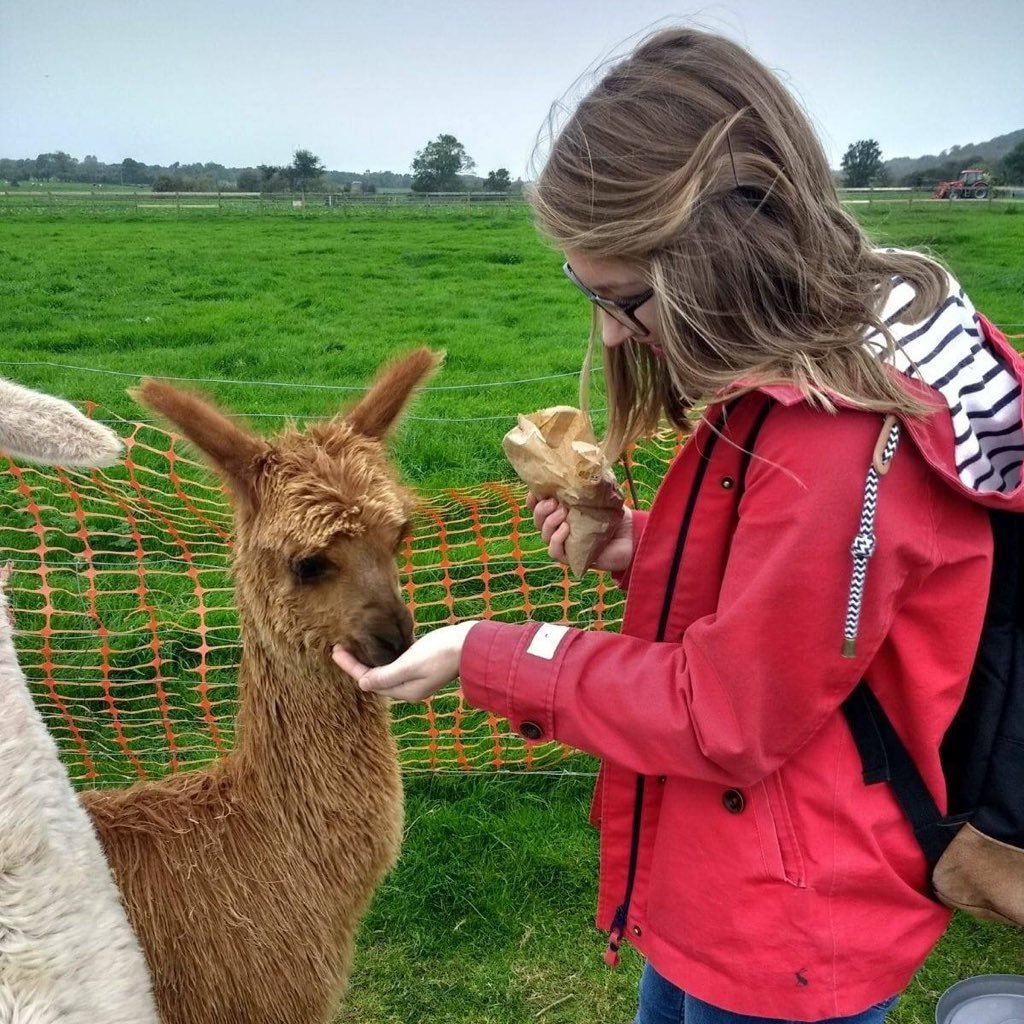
(365, 85)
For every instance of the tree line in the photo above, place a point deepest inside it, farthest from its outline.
(862, 166)
(443, 165)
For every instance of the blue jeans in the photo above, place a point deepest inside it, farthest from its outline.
(662, 1003)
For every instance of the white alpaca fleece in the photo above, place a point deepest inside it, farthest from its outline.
(46, 429)
(67, 952)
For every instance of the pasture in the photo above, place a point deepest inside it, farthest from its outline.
(488, 918)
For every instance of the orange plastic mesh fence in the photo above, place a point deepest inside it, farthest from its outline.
(128, 635)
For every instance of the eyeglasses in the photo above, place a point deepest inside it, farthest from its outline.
(621, 309)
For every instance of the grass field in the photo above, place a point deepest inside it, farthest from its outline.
(487, 919)
(321, 298)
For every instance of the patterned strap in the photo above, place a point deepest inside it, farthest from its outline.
(863, 546)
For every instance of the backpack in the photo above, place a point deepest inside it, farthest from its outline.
(975, 852)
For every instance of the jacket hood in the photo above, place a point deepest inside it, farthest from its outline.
(956, 357)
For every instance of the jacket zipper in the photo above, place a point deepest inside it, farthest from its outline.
(611, 953)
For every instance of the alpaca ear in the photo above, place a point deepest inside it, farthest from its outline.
(233, 451)
(381, 406)
(49, 430)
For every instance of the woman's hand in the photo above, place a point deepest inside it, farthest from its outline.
(431, 662)
(551, 518)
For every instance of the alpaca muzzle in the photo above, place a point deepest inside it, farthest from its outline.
(387, 637)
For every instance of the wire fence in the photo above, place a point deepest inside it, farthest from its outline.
(34, 198)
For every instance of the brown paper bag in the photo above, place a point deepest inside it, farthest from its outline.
(555, 453)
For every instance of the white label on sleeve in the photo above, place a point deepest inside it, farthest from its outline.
(546, 640)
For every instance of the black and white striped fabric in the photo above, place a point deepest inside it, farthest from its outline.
(947, 351)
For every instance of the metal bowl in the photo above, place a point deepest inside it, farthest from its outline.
(986, 999)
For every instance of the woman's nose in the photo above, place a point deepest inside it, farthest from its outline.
(613, 332)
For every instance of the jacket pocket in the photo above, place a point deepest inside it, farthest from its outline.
(779, 843)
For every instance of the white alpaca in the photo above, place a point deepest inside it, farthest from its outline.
(67, 952)
(45, 429)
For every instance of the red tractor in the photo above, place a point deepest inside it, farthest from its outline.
(972, 184)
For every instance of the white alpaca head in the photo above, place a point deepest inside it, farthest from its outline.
(44, 429)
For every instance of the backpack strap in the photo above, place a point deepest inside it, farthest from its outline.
(884, 758)
(863, 546)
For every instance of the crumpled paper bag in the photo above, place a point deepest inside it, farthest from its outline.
(554, 451)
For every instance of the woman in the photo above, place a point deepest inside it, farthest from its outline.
(741, 851)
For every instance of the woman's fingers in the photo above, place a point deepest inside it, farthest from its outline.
(542, 509)
(349, 665)
(554, 521)
(393, 680)
(556, 545)
(551, 519)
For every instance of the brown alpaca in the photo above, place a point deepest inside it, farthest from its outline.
(245, 881)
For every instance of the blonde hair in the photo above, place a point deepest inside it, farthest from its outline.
(690, 160)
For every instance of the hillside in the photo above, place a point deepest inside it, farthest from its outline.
(990, 151)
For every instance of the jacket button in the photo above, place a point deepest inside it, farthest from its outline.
(531, 730)
(728, 483)
(733, 801)
(663, 779)
(637, 931)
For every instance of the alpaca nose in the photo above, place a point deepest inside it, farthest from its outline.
(390, 636)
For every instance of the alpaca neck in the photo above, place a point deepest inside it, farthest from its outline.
(299, 715)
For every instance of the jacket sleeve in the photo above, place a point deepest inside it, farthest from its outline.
(749, 684)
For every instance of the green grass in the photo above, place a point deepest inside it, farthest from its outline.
(319, 299)
(323, 297)
(488, 917)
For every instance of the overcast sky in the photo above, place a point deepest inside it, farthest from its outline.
(364, 85)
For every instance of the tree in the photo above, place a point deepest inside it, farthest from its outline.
(46, 166)
(861, 163)
(133, 173)
(167, 183)
(273, 179)
(437, 166)
(249, 180)
(498, 181)
(1012, 166)
(305, 170)
(90, 168)
(919, 179)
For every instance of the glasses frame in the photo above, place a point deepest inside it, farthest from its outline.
(621, 310)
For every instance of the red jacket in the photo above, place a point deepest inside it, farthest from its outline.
(740, 849)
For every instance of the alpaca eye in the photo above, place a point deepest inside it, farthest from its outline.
(311, 569)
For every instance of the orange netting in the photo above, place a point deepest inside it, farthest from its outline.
(129, 638)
